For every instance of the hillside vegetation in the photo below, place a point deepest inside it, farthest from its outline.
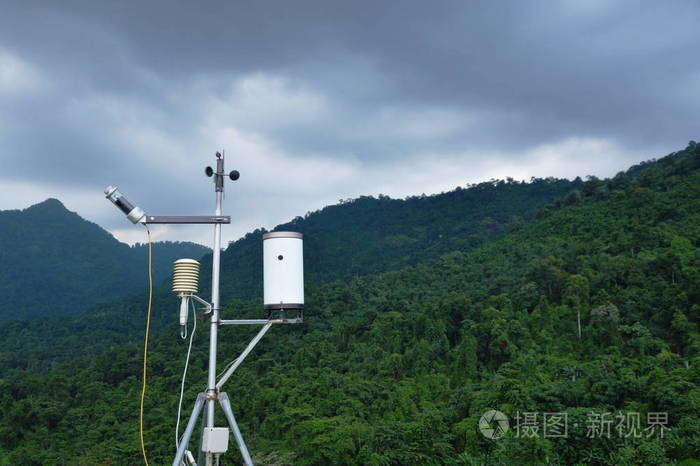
(397, 368)
(352, 238)
(53, 263)
(370, 235)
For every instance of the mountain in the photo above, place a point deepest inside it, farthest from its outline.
(354, 237)
(369, 235)
(54, 263)
(398, 367)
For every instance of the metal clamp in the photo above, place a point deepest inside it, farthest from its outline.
(211, 394)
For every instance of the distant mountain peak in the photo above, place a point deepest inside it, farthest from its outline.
(73, 259)
(49, 204)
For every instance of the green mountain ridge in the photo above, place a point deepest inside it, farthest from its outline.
(364, 228)
(370, 235)
(48, 252)
(398, 367)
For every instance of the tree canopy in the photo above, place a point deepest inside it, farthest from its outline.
(397, 367)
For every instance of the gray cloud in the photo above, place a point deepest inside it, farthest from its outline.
(316, 101)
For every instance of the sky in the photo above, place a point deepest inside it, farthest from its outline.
(317, 101)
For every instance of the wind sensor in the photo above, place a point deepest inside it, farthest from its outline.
(283, 293)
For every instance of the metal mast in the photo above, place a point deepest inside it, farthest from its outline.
(216, 307)
(216, 444)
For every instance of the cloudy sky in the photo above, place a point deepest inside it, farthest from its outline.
(316, 101)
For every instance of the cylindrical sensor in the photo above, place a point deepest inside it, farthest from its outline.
(133, 213)
(185, 276)
(283, 270)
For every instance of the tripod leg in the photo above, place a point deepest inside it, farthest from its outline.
(200, 455)
(188, 430)
(226, 406)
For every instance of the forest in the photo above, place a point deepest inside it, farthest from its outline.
(355, 237)
(583, 308)
(73, 259)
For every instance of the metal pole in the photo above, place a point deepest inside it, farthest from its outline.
(226, 406)
(229, 372)
(216, 258)
(200, 454)
(249, 322)
(216, 267)
(296, 320)
(188, 430)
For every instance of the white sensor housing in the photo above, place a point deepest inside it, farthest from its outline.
(283, 270)
(186, 276)
(185, 283)
(133, 213)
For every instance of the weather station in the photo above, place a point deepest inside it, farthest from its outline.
(283, 282)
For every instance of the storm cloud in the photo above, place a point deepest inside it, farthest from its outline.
(315, 101)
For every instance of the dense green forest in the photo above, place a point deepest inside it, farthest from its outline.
(47, 252)
(370, 235)
(396, 368)
(349, 239)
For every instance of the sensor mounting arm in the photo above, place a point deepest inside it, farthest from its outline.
(190, 219)
(206, 304)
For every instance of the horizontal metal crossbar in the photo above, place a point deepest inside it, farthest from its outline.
(179, 219)
(297, 320)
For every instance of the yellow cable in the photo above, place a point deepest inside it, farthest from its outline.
(145, 346)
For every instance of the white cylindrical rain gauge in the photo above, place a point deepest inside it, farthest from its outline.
(283, 270)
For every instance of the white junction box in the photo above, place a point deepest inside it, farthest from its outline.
(215, 440)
